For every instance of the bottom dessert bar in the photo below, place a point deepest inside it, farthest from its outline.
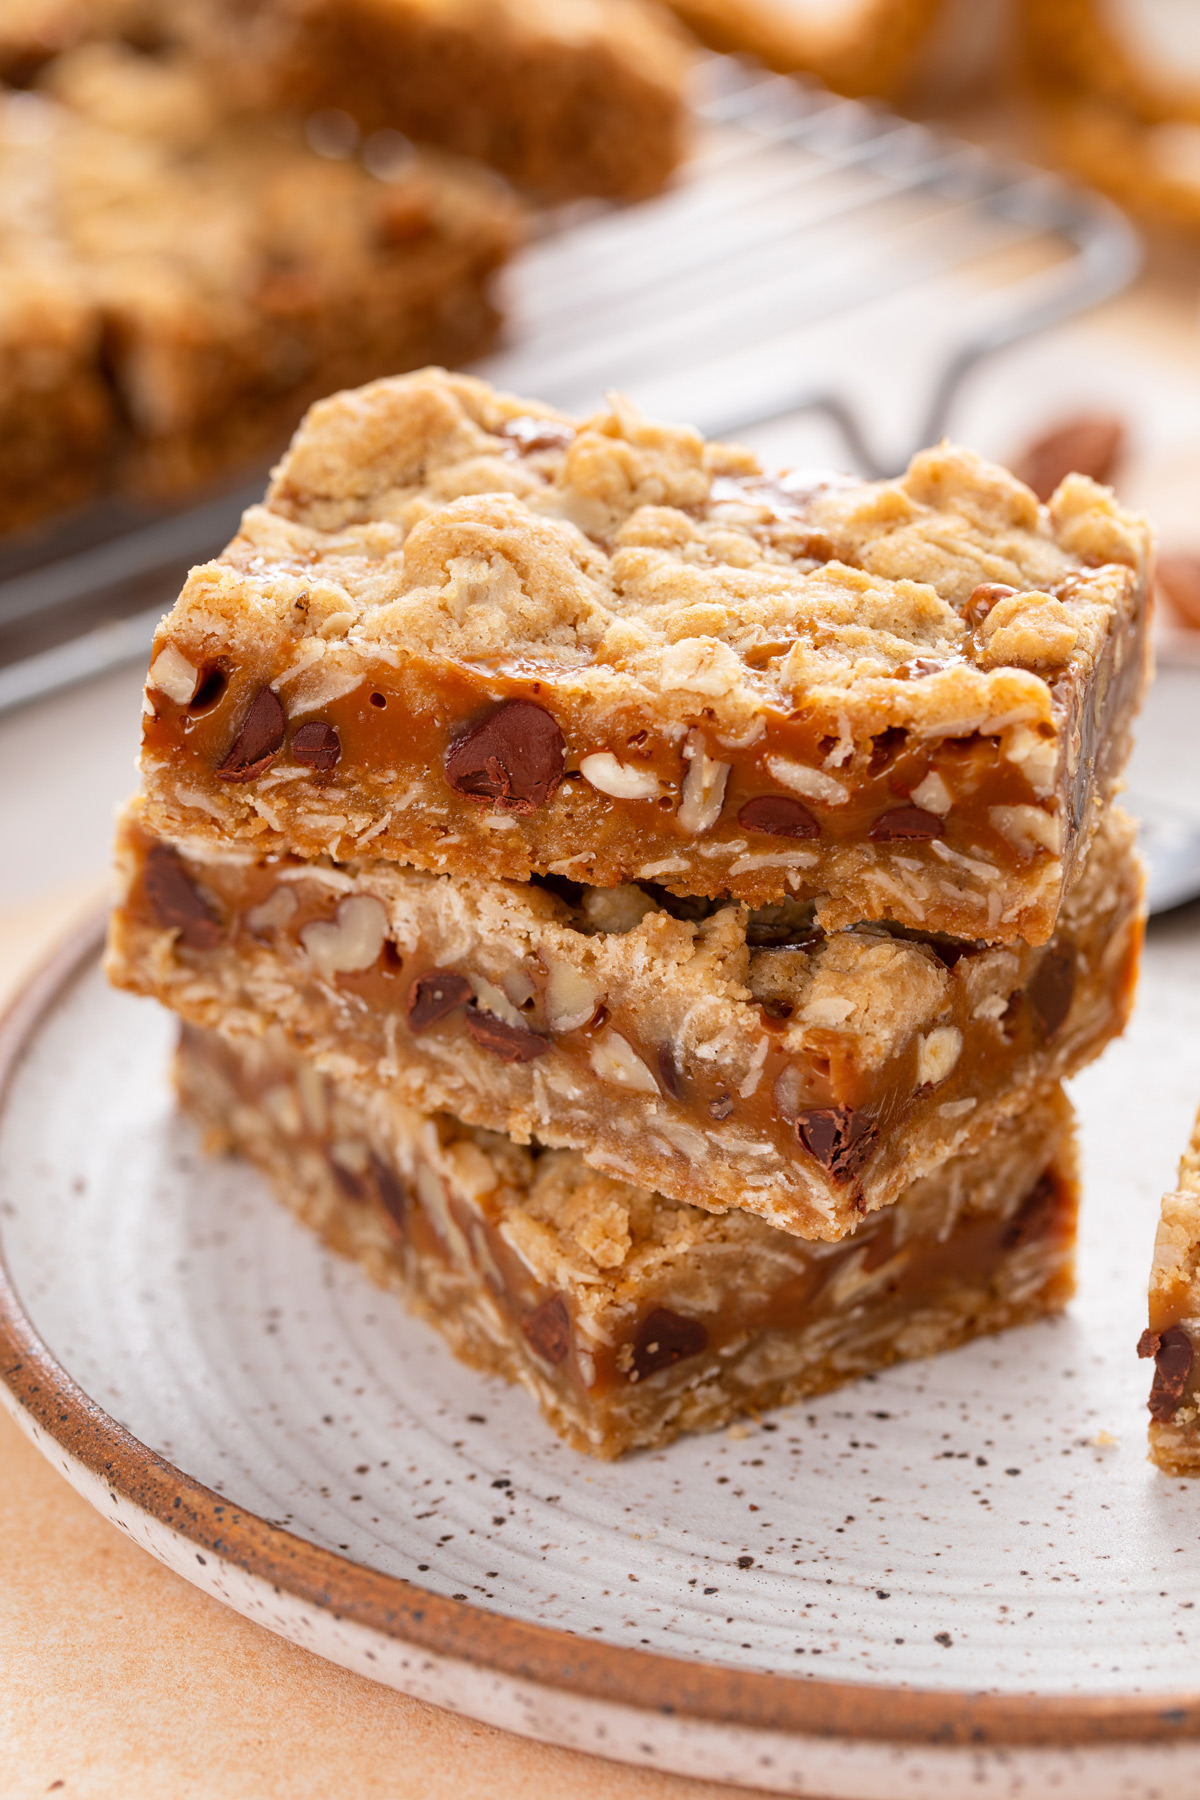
(631, 1318)
(1174, 1329)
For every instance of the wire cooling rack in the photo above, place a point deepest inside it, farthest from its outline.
(803, 226)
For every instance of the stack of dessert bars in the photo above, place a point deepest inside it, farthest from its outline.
(641, 906)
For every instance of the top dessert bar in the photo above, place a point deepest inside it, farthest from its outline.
(566, 97)
(470, 634)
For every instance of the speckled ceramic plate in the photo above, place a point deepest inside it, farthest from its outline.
(960, 1577)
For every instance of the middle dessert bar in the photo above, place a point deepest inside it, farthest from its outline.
(734, 1058)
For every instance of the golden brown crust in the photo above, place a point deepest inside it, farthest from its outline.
(564, 97)
(178, 286)
(871, 47)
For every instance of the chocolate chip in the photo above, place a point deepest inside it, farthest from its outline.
(391, 1192)
(511, 1043)
(433, 996)
(1053, 988)
(317, 745)
(209, 694)
(1172, 1368)
(515, 758)
(175, 901)
(665, 1338)
(721, 1107)
(906, 822)
(548, 1329)
(668, 1071)
(886, 747)
(1089, 444)
(982, 599)
(1148, 1343)
(777, 815)
(349, 1181)
(1035, 1214)
(259, 741)
(840, 1138)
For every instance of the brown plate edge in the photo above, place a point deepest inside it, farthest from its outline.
(643, 1681)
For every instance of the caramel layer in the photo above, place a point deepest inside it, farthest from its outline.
(792, 1103)
(775, 818)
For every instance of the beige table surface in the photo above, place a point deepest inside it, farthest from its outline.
(117, 1679)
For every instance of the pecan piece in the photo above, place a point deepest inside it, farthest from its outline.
(1090, 444)
(259, 741)
(1179, 578)
(515, 757)
(176, 903)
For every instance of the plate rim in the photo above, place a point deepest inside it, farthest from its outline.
(511, 1648)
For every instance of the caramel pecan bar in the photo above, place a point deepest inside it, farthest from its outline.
(566, 100)
(631, 1318)
(1173, 1333)
(734, 1057)
(179, 285)
(57, 415)
(33, 32)
(470, 635)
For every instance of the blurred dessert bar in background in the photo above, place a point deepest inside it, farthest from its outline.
(198, 238)
(630, 1318)
(178, 285)
(564, 97)
(1120, 81)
